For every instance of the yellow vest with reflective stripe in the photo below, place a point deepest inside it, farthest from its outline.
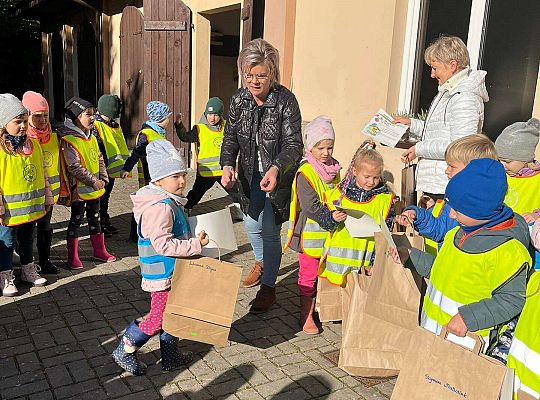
(522, 196)
(115, 147)
(51, 160)
(88, 150)
(524, 356)
(209, 150)
(458, 278)
(432, 247)
(22, 185)
(343, 253)
(151, 135)
(313, 236)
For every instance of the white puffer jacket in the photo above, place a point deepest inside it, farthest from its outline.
(453, 114)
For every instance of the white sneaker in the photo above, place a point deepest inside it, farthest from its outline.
(7, 283)
(29, 273)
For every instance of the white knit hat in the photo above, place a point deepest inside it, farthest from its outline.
(10, 107)
(163, 160)
(319, 129)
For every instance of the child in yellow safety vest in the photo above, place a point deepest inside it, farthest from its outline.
(86, 178)
(112, 145)
(159, 118)
(39, 128)
(318, 172)
(433, 223)
(362, 189)
(477, 281)
(208, 137)
(25, 195)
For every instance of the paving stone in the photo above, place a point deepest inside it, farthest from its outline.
(58, 376)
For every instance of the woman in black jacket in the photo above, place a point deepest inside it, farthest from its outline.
(263, 132)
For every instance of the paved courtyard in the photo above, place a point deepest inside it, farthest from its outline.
(55, 341)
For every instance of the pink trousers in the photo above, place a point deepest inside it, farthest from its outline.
(152, 322)
(307, 275)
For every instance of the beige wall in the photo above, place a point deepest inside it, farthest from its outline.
(347, 63)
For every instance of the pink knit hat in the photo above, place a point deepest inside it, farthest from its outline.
(319, 129)
(34, 102)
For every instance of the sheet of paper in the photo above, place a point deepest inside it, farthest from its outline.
(219, 227)
(382, 129)
(386, 232)
(360, 224)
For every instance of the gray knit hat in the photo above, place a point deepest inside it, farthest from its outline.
(517, 142)
(10, 107)
(163, 160)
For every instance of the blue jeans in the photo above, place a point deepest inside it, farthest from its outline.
(262, 231)
(24, 235)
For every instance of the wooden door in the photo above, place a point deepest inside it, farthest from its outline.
(131, 72)
(247, 21)
(167, 59)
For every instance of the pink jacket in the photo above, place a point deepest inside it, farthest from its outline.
(157, 226)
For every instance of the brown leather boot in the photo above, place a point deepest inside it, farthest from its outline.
(254, 276)
(265, 298)
(307, 306)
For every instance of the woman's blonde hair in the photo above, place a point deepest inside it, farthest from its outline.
(258, 52)
(446, 49)
(470, 147)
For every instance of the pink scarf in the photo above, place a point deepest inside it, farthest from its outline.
(42, 135)
(327, 172)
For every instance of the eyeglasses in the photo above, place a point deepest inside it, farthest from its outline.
(259, 77)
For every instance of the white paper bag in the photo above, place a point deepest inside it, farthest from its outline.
(219, 227)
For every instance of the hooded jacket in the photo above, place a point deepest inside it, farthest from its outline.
(455, 112)
(508, 300)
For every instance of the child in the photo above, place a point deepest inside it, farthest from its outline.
(39, 128)
(112, 145)
(163, 235)
(435, 222)
(318, 173)
(86, 176)
(207, 136)
(362, 189)
(477, 282)
(159, 117)
(25, 195)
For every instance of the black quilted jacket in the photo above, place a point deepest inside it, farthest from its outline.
(276, 127)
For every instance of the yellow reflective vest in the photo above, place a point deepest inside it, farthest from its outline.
(522, 195)
(432, 247)
(313, 236)
(115, 147)
(88, 150)
(151, 135)
(51, 160)
(22, 185)
(524, 356)
(208, 150)
(343, 253)
(458, 278)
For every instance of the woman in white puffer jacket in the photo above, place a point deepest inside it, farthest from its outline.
(456, 111)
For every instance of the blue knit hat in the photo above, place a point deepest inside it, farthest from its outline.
(478, 190)
(157, 111)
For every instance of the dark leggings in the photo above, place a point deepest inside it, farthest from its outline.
(44, 223)
(104, 201)
(78, 209)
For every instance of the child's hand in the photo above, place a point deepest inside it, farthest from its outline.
(406, 217)
(99, 184)
(339, 216)
(457, 326)
(124, 174)
(530, 217)
(399, 255)
(203, 238)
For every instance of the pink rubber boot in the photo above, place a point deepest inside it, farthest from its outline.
(100, 251)
(73, 254)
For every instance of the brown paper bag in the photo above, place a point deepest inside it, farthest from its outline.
(377, 335)
(201, 302)
(435, 368)
(408, 191)
(329, 301)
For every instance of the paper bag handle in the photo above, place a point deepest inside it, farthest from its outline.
(218, 248)
(478, 345)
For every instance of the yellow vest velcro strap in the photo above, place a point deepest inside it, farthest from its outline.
(24, 210)
(526, 356)
(12, 198)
